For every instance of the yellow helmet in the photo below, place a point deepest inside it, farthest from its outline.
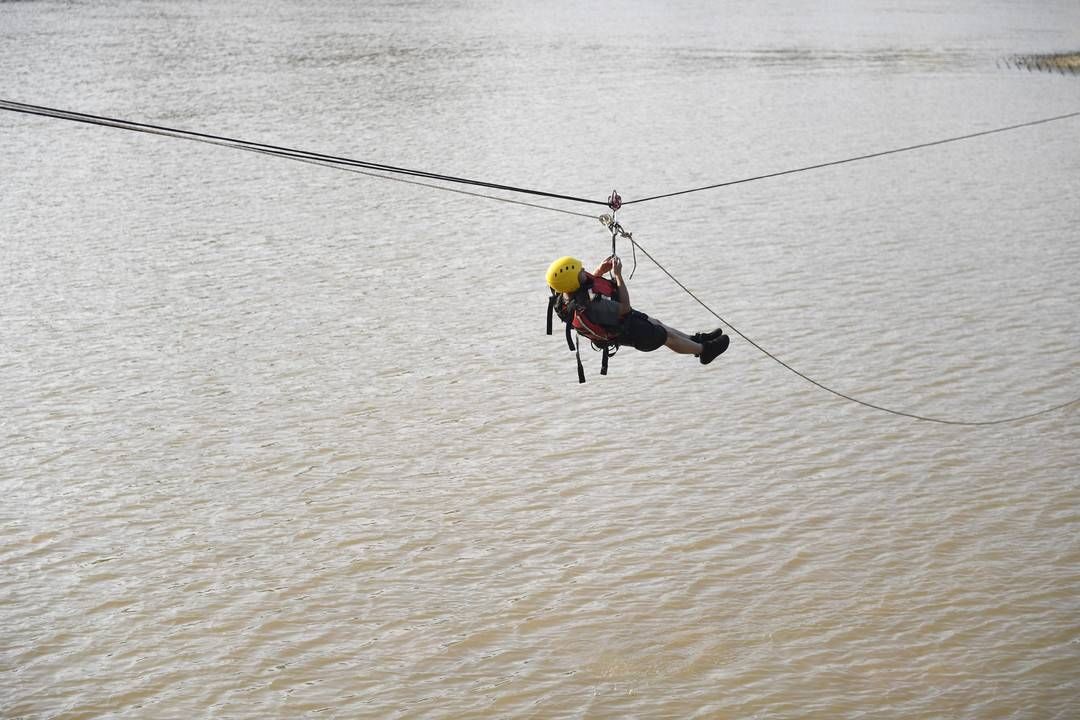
(562, 276)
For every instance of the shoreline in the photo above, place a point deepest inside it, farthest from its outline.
(1057, 62)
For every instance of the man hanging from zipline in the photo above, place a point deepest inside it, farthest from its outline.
(599, 310)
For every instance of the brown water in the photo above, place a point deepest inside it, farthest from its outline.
(280, 441)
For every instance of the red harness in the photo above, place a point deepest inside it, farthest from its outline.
(595, 332)
(574, 313)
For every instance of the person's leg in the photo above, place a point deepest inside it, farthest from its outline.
(680, 333)
(679, 341)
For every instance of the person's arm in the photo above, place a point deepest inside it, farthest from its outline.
(624, 294)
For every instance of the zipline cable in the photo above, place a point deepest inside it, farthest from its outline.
(857, 158)
(276, 150)
(344, 163)
(387, 172)
(826, 388)
(429, 185)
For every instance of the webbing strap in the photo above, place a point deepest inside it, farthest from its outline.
(580, 369)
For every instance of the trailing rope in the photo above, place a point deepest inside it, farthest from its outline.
(825, 387)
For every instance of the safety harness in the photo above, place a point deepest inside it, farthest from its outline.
(574, 314)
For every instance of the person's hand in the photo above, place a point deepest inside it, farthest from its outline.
(616, 265)
(604, 267)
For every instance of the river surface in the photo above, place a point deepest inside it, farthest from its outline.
(282, 441)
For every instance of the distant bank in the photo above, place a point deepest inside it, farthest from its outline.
(1058, 62)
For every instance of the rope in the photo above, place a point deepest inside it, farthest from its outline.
(276, 150)
(857, 158)
(614, 202)
(387, 172)
(839, 394)
(435, 187)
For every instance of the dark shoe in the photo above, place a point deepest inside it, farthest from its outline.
(702, 338)
(714, 348)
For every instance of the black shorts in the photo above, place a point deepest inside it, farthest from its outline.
(641, 333)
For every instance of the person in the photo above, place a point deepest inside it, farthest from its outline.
(599, 310)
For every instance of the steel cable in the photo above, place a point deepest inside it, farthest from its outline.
(387, 172)
(857, 158)
(276, 150)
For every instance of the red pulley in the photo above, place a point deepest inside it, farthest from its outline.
(614, 201)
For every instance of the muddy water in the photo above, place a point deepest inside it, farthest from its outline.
(281, 441)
